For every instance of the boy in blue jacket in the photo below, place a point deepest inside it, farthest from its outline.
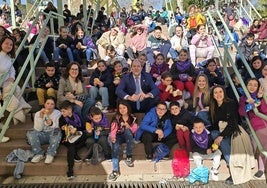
(156, 127)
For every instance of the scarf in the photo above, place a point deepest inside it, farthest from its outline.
(183, 66)
(202, 139)
(76, 122)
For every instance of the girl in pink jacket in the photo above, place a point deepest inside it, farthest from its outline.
(123, 127)
(201, 45)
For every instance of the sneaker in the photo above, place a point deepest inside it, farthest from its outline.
(5, 139)
(149, 157)
(37, 158)
(70, 175)
(229, 181)
(77, 158)
(49, 159)
(129, 162)
(136, 141)
(214, 174)
(104, 109)
(113, 176)
(99, 105)
(258, 174)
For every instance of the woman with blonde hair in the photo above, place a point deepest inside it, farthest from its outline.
(201, 98)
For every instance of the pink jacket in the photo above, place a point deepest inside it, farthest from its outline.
(201, 42)
(116, 123)
(139, 41)
(256, 122)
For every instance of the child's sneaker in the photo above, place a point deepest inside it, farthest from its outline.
(37, 158)
(136, 141)
(113, 176)
(104, 109)
(70, 175)
(77, 158)
(99, 105)
(129, 162)
(214, 174)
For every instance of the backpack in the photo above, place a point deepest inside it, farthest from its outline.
(180, 163)
(159, 152)
(98, 154)
(199, 174)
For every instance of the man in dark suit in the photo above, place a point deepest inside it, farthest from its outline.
(138, 88)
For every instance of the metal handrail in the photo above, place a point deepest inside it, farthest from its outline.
(227, 58)
(31, 12)
(31, 54)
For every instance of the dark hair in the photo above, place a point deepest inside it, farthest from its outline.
(51, 98)
(125, 103)
(158, 28)
(160, 54)
(166, 74)
(101, 61)
(12, 52)
(110, 48)
(250, 35)
(250, 79)
(62, 27)
(210, 61)
(67, 70)
(200, 25)
(213, 102)
(198, 120)
(255, 58)
(174, 103)
(162, 103)
(66, 105)
(94, 111)
(50, 65)
(116, 63)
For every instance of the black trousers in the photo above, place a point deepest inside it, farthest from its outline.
(148, 138)
(73, 148)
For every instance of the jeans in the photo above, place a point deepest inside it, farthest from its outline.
(204, 115)
(43, 56)
(225, 145)
(164, 49)
(38, 138)
(63, 53)
(174, 53)
(103, 92)
(127, 137)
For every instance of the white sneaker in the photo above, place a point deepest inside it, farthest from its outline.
(5, 139)
(99, 105)
(104, 109)
(214, 174)
(37, 158)
(49, 159)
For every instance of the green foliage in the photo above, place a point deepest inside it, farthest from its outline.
(199, 3)
(262, 8)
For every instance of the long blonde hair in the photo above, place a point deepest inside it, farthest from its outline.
(205, 92)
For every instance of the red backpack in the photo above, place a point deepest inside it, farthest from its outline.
(180, 163)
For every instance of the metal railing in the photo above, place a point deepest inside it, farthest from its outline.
(30, 13)
(227, 58)
(28, 60)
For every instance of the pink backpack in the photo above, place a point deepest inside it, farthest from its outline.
(180, 163)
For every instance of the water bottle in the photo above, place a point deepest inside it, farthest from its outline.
(96, 136)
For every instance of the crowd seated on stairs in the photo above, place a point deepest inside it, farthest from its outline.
(126, 89)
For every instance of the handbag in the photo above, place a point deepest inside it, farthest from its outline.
(222, 125)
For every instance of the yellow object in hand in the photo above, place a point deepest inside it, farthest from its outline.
(214, 147)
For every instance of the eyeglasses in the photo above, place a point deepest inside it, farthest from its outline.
(161, 109)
